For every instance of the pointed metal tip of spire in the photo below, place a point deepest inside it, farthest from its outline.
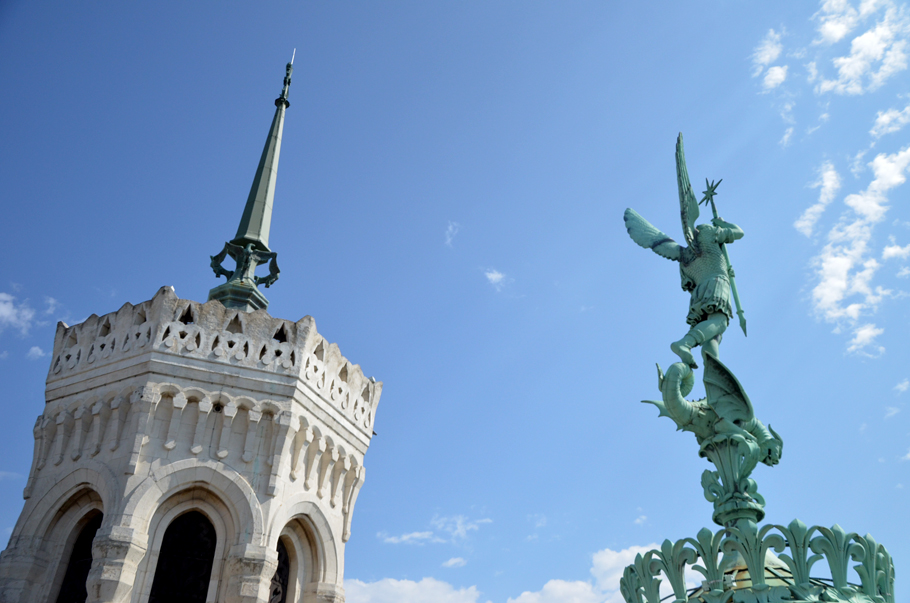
(293, 55)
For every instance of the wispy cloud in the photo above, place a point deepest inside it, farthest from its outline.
(18, 315)
(455, 562)
(640, 520)
(52, 305)
(895, 251)
(539, 520)
(902, 386)
(864, 339)
(829, 183)
(9, 475)
(458, 526)
(389, 590)
(496, 278)
(35, 353)
(774, 77)
(890, 121)
(890, 411)
(767, 51)
(785, 139)
(875, 55)
(452, 230)
(412, 538)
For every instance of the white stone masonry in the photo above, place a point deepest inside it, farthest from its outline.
(171, 405)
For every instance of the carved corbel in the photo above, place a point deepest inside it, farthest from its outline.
(227, 422)
(64, 422)
(205, 407)
(116, 412)
(350, 497)
(342, 467)
(313, 456)
(326, 464)
(78, 433)
(306, 436)
(97, 429)
(252, 423)
(142, 401)
(173, 428)
(280, 443)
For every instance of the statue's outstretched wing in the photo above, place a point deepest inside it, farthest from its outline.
(643, 233)
(688, 203)
(725, 394)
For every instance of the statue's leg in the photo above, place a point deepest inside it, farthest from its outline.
(706, 333)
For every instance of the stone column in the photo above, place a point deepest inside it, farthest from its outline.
(248, 574)
(116, 556)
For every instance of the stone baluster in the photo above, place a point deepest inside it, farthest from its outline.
(252, 423)
(142, 403)
(173, 428)
(205, 407)
(227, 423)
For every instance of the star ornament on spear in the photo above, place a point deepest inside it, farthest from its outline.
(709, 198)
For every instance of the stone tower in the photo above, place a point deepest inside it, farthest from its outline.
(193, 452)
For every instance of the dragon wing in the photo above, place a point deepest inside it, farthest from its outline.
(688, 204)
(643, 233)
(725, 394)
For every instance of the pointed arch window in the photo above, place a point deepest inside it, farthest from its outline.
(278, 591)
(184, 568)
(73, 589)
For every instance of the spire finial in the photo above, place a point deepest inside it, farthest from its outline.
(250, 247)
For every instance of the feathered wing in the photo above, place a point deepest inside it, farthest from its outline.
(688, 204)
(725, 394)
(643, 233)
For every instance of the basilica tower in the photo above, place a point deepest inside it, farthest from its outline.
(195, 452)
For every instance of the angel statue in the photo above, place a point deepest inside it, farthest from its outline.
(703, 265)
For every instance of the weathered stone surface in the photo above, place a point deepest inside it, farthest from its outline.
(172, 405)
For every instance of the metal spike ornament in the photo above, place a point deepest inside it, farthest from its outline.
(250, 247)
(736, 562)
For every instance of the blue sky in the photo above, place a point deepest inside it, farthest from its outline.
(449, 209)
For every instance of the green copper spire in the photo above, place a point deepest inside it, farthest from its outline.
(250, 247)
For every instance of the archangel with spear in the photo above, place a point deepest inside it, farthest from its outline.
(704, 265)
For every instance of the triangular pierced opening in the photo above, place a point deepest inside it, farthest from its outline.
(187, 317)
(105, 328)
(235, 326)
(70, 341)
(281, 336)
(343, 374)
(139, 318)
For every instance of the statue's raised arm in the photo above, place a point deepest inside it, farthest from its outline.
(704, 265)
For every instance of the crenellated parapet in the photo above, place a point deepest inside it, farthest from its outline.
(217, 337)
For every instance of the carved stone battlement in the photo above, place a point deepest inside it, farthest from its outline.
(256, 345)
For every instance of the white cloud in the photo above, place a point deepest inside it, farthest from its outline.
(881, 46)
(389, 590)
(458, 526)
(895, 251)
(785, 140)
(903, 272)
(35, 353)
(906, 457)
(18, 316)
(451, 231)
(836, 19)
(412, 538)
(495, 278)
(766, 52)
(845, 267)
(52, 305)
(829, 183)
(606, 569)
(775, 76)
(890, 411)
(538, 519)
(892, 120)
(864, 337)
(640, 520)
(902, 386)
(455, 562)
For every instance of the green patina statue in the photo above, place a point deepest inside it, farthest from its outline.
(743, 562)
(704, 265)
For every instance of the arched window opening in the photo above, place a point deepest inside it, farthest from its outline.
(278, 592)
(185, 561)
(73, 589)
